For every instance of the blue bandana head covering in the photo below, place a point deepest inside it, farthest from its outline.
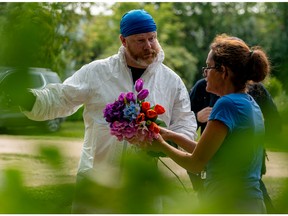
(137, 22)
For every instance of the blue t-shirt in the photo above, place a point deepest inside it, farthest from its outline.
(235, 169)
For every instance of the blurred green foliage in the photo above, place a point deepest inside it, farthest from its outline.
(54, 35)
(138, 190)
(64, 36)
(39, 34)
(141, 183)
(274, 86)
(51, 155)
(16, 198)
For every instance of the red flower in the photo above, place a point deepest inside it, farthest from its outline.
(145, 106)
(151, 114)
(159, 109)
(140, 118)
(154, 127)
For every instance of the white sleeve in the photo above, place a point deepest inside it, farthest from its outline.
(183, 119)
(60, 100)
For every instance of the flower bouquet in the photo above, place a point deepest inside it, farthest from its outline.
(130, 117)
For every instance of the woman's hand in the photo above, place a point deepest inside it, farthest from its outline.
(156, 145)
(166, 134)
(136, 142)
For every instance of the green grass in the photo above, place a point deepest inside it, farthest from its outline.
(73, 129)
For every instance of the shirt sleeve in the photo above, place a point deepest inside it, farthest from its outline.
(225, 112)
(183, 119)
(59, 100)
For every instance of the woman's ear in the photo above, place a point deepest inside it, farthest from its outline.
(225, 71)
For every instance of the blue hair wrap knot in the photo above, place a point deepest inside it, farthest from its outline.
(137, 22)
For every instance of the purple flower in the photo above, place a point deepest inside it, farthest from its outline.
(139, 85)
(114, 111)
(121, 97)
(142, 94)
(130, 97)
(123, 116)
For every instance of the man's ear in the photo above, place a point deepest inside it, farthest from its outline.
(123, 40)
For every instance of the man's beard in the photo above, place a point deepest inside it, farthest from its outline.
(145, 58)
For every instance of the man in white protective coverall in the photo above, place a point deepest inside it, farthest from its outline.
(101, 81)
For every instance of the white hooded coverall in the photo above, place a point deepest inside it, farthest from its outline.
(101, 82)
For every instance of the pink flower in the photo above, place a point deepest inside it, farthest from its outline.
(123, 130)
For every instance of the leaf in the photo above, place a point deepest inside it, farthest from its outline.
(160, 122)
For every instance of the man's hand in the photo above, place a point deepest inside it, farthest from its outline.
(203, 115)
(15, 88)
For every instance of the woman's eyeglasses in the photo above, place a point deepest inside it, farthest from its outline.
(204, 69)
(207, 68)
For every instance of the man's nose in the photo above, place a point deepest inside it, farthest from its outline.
(147, 44)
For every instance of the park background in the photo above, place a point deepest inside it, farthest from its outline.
(63, 36)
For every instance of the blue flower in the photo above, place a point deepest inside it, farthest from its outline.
(131, 111)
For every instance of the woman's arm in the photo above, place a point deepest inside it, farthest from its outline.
(180, 139)
(210, 141)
